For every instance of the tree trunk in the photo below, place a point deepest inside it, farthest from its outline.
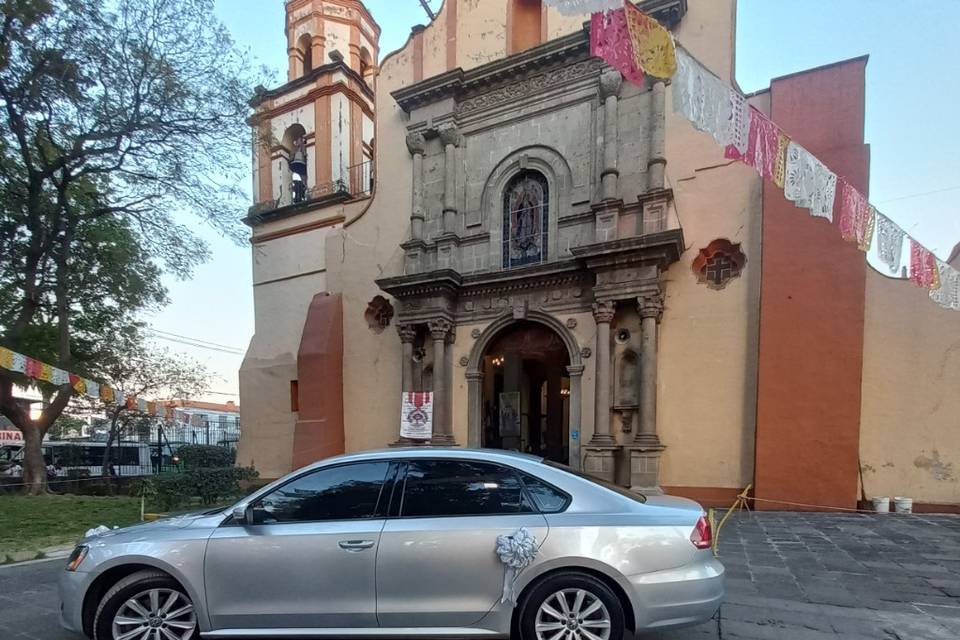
(34, 466)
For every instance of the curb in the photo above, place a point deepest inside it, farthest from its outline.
(21, 558)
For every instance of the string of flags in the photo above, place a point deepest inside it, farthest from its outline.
(37, 370)
(635, 44)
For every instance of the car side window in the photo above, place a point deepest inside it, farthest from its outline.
(346, 492)
(548, 498)
(437, 488)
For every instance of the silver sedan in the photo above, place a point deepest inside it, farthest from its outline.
(405, 543)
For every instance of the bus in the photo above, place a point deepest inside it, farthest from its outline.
(84, 457)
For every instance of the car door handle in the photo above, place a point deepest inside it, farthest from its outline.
(355, 545)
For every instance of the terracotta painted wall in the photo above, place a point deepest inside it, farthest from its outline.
(812, 305)
(910, 416)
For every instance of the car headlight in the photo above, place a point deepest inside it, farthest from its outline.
(76, 558)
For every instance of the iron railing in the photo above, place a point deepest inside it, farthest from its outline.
(355, 181)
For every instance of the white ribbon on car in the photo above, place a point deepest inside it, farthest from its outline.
(516, 552)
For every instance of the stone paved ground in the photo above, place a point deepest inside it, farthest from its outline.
(814, 576)
(791, 576)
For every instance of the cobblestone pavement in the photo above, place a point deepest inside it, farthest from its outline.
(791, 576)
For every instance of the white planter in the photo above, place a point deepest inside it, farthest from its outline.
(903, 505)
(881, 504)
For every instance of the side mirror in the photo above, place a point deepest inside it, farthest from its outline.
(240, 514)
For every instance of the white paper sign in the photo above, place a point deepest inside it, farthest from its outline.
(416, 415)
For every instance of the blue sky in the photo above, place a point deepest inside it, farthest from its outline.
(913, 90)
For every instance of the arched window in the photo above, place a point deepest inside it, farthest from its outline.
(366, 63)
(525, 219)
(305, 45)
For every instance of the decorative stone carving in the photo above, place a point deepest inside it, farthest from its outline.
(526, 88)
(586, 352)
(571, 323)
(450, 135)
(407, 332)
(416, 143)
(718, 263)
(379, 313)
(439, 329)
(610, 83)
(650, 305)
(464, 361)
(476, 333)
(604, 310)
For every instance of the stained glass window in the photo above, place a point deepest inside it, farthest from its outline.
(525, 220)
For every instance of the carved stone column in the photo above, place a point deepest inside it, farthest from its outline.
(658, 157)
(610, 83)
(408, 334)
(417, 145)
(451, 138)
(442, 429)
(576, 420)
(646, 449)
(600, 460)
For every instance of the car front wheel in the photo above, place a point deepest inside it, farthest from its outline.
(571, 606)
(146, 605)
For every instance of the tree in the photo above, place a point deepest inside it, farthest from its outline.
(119, 119)
(144, 372)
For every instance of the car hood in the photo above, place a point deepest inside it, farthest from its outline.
(180, 521)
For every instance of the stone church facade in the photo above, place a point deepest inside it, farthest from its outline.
(495, 216)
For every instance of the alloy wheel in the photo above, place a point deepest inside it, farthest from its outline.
(573, 614)
(155, 614)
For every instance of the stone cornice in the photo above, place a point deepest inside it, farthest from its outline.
(664, 248)
(457, 82)
(261, 94)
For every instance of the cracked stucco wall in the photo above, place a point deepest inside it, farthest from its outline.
(910, 411)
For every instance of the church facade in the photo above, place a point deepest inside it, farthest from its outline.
(495, 216)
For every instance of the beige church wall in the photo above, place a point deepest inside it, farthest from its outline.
(709, 33)
(481, 31)
(708, 339)
(288, 256)
(910, 406)
(366, 249)
(280, 309)
(435, 45)
(707, 362)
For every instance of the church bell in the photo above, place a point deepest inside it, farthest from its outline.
(298, 163)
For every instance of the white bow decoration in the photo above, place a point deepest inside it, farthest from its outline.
(516, 552)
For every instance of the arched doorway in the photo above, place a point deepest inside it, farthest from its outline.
(525, 392)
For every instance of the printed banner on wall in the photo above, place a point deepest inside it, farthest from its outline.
(416, 415)
(510, 414)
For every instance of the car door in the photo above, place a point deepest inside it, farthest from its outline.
(437, 565)
(308, 560)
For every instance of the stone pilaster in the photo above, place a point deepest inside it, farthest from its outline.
(450, 137)
(416, 145)
(610, 83)
(408, 334)
(442, 428)
(657, 164)
(576, 376)
(646, 449)
(601, 450)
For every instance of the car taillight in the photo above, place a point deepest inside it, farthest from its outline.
(702, 534)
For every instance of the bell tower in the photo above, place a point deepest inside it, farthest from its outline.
(314, 134)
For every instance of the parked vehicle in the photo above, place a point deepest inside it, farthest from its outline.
(403, 543)
(86, 457)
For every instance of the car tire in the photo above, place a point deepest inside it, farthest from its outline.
(571, 584)
(138, 584)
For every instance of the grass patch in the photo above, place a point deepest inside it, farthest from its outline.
(35, 522)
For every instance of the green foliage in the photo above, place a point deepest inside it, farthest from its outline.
(66, 426)
(203, 456)
(212, 485)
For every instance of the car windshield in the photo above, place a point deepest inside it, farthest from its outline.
(627, 493)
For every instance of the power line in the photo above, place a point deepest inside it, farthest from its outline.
(192, 339)
(199, 346)
(918, 195)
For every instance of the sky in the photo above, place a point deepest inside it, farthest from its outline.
(913, 91)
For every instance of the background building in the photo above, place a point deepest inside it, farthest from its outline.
(494, 215)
